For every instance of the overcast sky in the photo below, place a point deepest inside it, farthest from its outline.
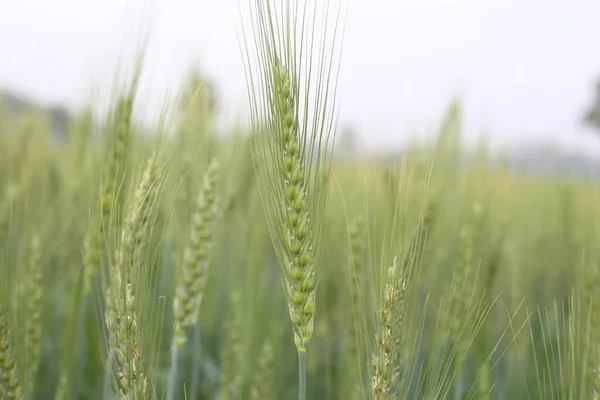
(525, 69)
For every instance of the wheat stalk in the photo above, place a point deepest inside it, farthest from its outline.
(292, 95)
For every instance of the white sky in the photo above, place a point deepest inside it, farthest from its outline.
(526, 69)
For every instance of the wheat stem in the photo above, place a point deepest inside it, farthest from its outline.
(301, 374)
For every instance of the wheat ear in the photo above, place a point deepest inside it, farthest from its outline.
(108, 196)
(10, 387)
(356, 230)
(389, 323)
(232, 351)
(292, 95)
(190, 290)
(121, 306)
(195, 269)
(35, 292)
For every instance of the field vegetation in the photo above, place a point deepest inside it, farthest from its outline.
(185, 261)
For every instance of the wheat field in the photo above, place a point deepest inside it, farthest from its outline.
(189, 261)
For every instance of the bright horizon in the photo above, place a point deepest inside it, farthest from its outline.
(525, 70)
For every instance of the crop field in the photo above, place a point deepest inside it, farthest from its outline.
(189, 261)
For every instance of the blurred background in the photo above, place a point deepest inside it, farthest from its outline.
(525, 71)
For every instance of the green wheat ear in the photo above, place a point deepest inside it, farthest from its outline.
(190, 291)
(127, 268)
(192, 283)
(356, 274)
(232, 353)
(389, 326)
(34, 321)
(10, 387)
(291, 86)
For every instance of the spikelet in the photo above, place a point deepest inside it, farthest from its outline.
(134, 232)
(122, 325)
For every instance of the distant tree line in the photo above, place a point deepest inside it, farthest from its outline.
(592, 116)
(14, 106)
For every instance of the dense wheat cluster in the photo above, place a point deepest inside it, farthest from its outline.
(186, 261)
